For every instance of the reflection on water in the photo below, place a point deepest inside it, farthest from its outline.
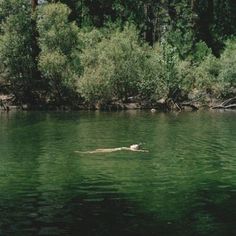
(185, 185)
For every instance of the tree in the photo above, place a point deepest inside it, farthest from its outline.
(34, 4)
(59, 43)
(16, 49)
(216, 21)
(227, 75)
(114, 67)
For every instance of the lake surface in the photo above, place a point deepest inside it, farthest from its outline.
(184, 186)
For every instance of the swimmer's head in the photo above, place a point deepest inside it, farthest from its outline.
(135, 147)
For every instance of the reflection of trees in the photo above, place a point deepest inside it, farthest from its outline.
(20, 146)
(174, 187)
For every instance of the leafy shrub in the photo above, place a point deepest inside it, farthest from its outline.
(169, 78)
(201, 50)
(90, 37)
(114, 67)
(227, 75)
(59, 43)
(118, 66)
(206, 75)
(217, 76)
(16, 52)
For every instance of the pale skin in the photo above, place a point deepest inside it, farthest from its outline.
(133, 148)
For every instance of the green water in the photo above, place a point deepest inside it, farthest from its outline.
(185, 185)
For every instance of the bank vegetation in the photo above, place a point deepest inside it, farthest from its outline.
(118, 55)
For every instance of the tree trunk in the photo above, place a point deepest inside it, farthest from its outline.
(149, 12)
(34, 4)
(145, 8)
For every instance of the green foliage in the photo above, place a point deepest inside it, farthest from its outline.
(181, 33)
(56, 32)
(227, 75)
(169, 63)
(16, 50)
(186, 78)
(117, 66)
(171, 80)
(200, 51)
(46, 52)
(206, 75)
(113, 67)
(53, 64)
(151, 87)
(59, 42)
(217, 76)
(90, 37)
(12, 7)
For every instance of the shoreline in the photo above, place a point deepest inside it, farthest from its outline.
(114, 107)
(7, 104)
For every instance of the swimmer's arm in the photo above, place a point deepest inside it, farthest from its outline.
(107, 150)
(139, 150)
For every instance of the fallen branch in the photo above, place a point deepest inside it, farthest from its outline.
(229, 101)
(232, 106)
(227, 104)
(3, 105)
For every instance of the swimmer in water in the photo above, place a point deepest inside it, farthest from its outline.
(133, 147)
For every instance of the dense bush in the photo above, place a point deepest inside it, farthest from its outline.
(200, 52)
(115, 67)
(16, 52)
(227, 74)
(169, 60)
(206, 75)
(217, 76)
(169, 77)
(59, 43)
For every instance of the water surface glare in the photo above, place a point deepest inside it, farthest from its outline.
(184, 186)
